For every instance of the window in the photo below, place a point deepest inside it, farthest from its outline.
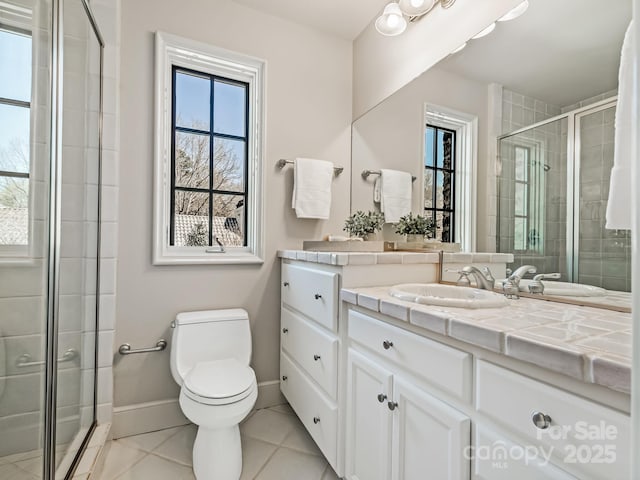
(15, 131)
(208, 146)
(439, 180)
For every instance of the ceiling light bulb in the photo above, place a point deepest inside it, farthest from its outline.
(516, 12)
(416, 8)
(391, 22)
(459, 48)
(486, 31)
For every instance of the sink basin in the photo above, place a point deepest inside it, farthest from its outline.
(447, 295)
(563, 289)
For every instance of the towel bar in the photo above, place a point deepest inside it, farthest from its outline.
(282, 163)
(366, 173)
(125, 348)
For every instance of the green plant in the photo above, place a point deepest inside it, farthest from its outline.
(361, 224)
(416, 225)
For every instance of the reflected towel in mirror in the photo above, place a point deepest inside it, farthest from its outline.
(312, 188)
(395, 199)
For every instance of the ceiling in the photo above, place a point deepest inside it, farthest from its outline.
(558, 51)
(343, 18)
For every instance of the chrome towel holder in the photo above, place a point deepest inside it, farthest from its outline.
(125, 348)
(283, 163)
(367, 173)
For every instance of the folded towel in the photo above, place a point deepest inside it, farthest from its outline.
(395, 200)
(619, 204)
(312, 188)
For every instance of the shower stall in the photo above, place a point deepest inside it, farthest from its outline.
(553, 186)
(50, 162)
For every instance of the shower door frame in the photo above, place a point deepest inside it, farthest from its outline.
(55, 223)
(573, 176)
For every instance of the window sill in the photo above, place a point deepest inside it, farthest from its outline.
(218, 258)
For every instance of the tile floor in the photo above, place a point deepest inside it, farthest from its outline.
(275, 446)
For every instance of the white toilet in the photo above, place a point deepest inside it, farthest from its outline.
(210, 354)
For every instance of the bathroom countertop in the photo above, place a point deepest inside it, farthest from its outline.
(590, 344)
(361, 258)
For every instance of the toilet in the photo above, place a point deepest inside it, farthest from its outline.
(210, 354)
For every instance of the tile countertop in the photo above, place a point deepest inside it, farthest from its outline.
(590, 344)
(361, 258)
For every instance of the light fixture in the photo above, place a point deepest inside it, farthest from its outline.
(416, 8)
(392, 21)
(515, 12)
(459, 48)
(485, 32)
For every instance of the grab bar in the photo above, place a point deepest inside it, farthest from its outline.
(367, 173)
(125, 348)
(24, 360)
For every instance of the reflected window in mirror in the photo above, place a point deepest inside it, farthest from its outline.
(15, 131)
(439, 180)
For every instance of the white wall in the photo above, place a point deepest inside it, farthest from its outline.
(392, 136)
(382, 65)
(308, 109)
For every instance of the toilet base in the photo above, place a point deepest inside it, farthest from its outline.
(217, 454)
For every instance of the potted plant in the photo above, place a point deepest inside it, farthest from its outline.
(363, 225)
(416, 228)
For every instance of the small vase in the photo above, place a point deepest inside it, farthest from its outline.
(371, 237)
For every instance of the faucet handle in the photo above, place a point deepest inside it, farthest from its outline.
(463, 279)
(487, 273)
(543, 276)
(510, 289)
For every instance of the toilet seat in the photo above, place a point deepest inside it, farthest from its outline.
(219, 382)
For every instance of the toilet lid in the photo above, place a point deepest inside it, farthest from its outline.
(220, 379)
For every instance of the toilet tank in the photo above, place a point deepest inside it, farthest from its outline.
(209, 335)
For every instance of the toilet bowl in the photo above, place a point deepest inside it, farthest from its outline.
(210, 355)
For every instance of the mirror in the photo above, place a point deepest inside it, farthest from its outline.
(523, 118)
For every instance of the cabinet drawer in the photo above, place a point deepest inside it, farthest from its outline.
(312, 292)
(585, 437)
(495, 457)
(318, 414)
(444, 367)
(313, 348)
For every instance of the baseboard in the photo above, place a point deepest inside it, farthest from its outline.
(152, 416)
(146, 417)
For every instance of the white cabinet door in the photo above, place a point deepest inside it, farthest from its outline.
(430, 439)
(368, 454)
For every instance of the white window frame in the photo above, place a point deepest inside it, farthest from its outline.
(466, 151)
(172, 51)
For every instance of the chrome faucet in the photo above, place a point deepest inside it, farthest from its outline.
(484, 279)
(511, 286)
(537, 286)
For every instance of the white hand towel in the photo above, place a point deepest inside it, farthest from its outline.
(619, 204)
(312, 188)
(396, 194)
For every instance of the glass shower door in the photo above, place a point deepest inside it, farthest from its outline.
(79, 234)
(603, 256)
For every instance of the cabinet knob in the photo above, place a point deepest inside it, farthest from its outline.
(387, 344)
(541, 420)
(392, 405)
(316, 357)
(318, 296)
(316, 420)
(285, 284)
(284, 378)
(285, 330)
(382, 397)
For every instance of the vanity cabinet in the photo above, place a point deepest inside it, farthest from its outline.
(309, 352)
(396, 429)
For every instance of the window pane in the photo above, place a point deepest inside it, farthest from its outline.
(440, 150)
(15, 57)
(520, 234)
(439, 190)
(228, 220)
(521, 164)
(429, 152)
(439, 222)
(192, 160)
(228, 164)
(191, 227)
(193, 98)
(428, 188)
(446, 227)
(14, 139)
(449, 150)
(447, 191)
(14, 211)
(521, 199)
(229, 109)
